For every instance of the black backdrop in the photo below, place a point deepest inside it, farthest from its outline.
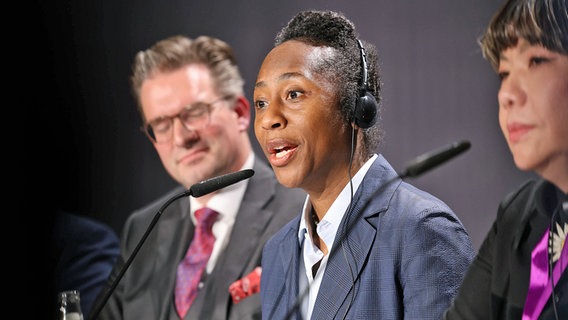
(437, 90)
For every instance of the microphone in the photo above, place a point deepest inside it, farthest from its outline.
(207, 186)
(197, 190)
(432, 159)
(414, 168)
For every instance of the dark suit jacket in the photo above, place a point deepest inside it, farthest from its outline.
(147, 289)
(84, 252)
(496, 285)
(407, 249)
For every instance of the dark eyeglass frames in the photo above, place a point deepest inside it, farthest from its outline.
(193, 117)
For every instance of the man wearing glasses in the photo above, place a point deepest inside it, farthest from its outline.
(194, 112)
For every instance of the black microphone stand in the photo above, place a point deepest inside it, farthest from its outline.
(197, 190)
(109, 290)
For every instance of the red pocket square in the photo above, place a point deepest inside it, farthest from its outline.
(246, 286)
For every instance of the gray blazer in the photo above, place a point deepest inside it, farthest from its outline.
(147, 289)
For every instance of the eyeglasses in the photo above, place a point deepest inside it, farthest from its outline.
(193, 117)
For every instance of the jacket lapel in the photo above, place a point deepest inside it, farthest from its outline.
(290, 248)
(249, 225)
(348, 256)
(350, 252)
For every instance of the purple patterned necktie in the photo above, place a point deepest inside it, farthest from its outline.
(191, 267)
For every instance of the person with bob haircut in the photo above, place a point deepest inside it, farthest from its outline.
(520, 269)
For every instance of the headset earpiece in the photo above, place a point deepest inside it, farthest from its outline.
(365, 112)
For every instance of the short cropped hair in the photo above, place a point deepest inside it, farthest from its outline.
(343, 69)
(178, 51)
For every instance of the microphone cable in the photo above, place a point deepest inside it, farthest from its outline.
(344, 234)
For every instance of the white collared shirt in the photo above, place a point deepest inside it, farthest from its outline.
(327, 231)
(226, 202)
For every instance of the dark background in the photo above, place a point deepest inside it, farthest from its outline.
(437, 89)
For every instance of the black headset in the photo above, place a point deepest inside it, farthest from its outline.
(365, 112)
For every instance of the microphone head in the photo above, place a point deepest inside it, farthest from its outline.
(432, 159)
(213, 184)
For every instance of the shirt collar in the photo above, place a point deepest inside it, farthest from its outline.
(328, 226)
(227, 201)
